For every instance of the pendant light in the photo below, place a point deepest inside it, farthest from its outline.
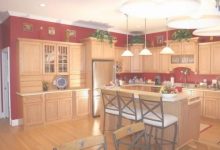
(167, 50)
(145, 51)
(127, 53)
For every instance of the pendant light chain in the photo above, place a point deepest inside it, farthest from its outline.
(127, 30)
(145, 35)
(166, 32)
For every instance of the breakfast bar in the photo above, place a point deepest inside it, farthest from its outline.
(185, 108)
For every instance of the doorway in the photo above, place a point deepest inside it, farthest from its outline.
(5, 74)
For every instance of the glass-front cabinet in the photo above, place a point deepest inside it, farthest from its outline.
(55, 58)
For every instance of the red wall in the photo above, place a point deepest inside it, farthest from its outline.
(12, 29)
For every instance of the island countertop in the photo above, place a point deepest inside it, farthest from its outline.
(176, 97)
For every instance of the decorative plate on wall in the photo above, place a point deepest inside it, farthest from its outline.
(61, 82)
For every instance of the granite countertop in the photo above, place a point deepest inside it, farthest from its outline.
(50, 91)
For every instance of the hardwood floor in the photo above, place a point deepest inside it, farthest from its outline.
(48, 136)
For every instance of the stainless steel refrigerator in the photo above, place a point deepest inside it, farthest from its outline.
(102, 74)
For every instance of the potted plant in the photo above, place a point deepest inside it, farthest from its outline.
(136, 39)
(182, 34)
(102, 35)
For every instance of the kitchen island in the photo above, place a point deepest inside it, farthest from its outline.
(185, 108)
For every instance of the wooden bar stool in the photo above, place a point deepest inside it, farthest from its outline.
(110, 105)
(133, 136)
(129, 107)
(153, 115)
(84, 143)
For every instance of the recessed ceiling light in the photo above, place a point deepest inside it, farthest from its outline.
(42, 5)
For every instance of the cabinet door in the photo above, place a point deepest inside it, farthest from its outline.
(82, 106)
(108, 50)
(49, 58)
(62, 59)
(176, 47)
(136, 60)
(164, 63)
(52, 109)
(204, 59)
(33, 110)
(30, 57)
(77, 59)
(215, 61)
(65, 108)
(189, 47)
(210, 107)
(156, 59)
(97, 50)
(126, 64)
(148, 63)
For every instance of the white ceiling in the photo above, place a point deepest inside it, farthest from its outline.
(88, 13)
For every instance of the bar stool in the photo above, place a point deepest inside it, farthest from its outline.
(128, 107)
(153, 115)
(110, 105)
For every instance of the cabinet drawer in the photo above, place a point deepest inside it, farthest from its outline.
(65, 94)
(83, 93)
(52, 95)
(32, 99)
(212, 94)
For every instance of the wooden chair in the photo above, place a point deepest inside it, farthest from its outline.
(110, 105)
(85, 143)
(135, 132)
(129, 107)
(153, 115)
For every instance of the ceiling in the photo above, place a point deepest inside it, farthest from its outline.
(102, 14)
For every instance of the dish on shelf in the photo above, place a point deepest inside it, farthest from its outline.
(61, 82)
(170, 95)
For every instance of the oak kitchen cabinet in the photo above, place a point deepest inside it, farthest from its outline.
(124, 61)
(77, 65)
(81, 103)
(30, 68)
(209, 58)
(58, 106)
(33, 109)
(211, 104)
(55, 58)
(97, 49)
(156, 62)
(185, 54)
(136, 59)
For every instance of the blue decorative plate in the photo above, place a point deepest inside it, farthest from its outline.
(61, 82)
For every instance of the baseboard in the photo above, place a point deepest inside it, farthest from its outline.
(16, 122)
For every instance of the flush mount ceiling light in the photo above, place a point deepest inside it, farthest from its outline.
(42, 5)
(212, 31)
(127, 52)
(145, 51)
(206, 16)
(167, 50)
(159, 8)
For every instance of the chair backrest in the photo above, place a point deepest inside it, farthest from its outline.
(135, 130)
(152, 108)
(110, 99)
(128, 105)
(84, 143)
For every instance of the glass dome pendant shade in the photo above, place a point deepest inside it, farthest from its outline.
(127, 53)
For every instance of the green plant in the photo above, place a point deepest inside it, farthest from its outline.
(138, 39)
(102, 35)
(182, 34)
